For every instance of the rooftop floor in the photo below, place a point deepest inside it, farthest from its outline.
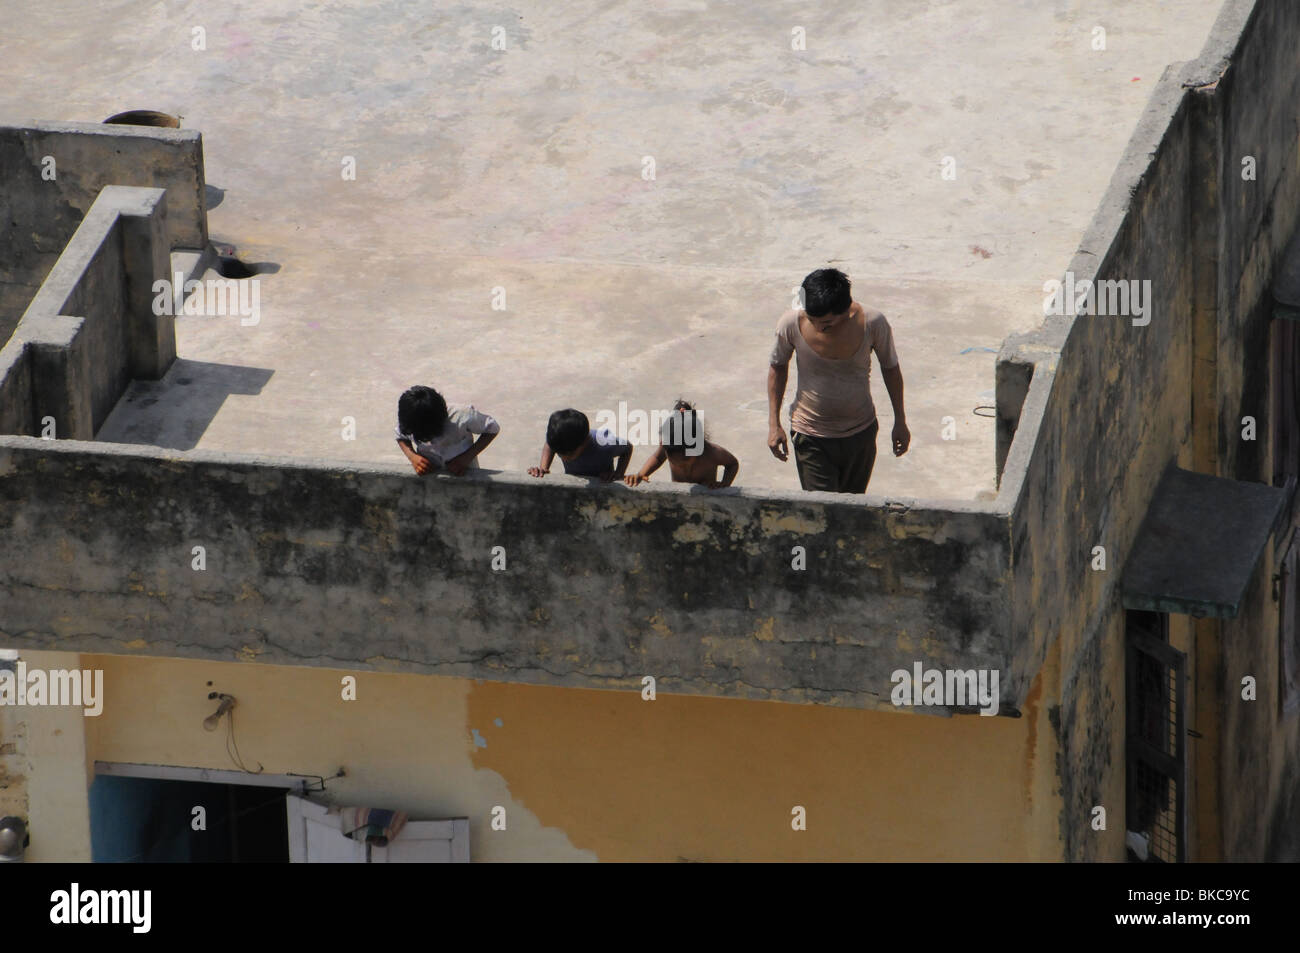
(522, 169)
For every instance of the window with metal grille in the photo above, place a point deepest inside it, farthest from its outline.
(1156, 740)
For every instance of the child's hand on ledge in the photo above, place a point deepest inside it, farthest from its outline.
(421, 465)
(635, 478)
(537, 472)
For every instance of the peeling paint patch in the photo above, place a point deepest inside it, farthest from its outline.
(479, 740)
(498, 722)
(774, 521)
(691, 533)
(614, 513)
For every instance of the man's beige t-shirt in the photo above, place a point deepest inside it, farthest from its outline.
(833, 397)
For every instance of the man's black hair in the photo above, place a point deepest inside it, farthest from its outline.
(567, 430)
(826, 291)
(421, 412)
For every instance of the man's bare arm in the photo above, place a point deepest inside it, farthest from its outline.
(777, 378)
(901, 438)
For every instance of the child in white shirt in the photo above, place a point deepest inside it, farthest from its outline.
(435, 435)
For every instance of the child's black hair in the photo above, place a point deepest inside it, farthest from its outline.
(682, 430)
(826, 291)
(566, 430)
(421, 412)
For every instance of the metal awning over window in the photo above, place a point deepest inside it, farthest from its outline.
(1199, 544)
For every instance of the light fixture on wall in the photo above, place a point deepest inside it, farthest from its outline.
(13, 839)
(227, 702)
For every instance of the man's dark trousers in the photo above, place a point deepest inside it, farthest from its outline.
(836, 464)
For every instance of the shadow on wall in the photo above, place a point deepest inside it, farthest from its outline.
(176, 411)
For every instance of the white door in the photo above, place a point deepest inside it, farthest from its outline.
(426, 842)
(315, 838)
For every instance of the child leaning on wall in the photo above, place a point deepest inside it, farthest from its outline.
(690, 457)
(435, 435)
(585, 452)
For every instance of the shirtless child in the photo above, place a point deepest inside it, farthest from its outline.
(691, 458)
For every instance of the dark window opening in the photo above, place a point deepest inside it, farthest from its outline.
(145, 820)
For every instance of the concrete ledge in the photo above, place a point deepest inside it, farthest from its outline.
(332, 564)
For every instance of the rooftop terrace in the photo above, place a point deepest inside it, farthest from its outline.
(522, 168)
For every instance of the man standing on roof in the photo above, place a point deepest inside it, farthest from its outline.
(833, 423)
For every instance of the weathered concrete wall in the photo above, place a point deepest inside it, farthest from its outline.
(1255, 106)
(319, 564)
(1115, 416)
(92, 328)
(1111, 404)
(39, 214)
(1259, 743)
(16, 415)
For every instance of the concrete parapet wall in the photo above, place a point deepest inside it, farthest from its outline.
(315, 563)
(92, 328)
(38, 214)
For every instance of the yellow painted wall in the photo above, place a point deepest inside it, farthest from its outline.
(13, 764)
(686, 778)
(52, 754)
(590, 775)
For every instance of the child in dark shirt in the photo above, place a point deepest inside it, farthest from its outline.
(585, 452)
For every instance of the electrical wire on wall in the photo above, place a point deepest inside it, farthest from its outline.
(226, 709)
(231, 744)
